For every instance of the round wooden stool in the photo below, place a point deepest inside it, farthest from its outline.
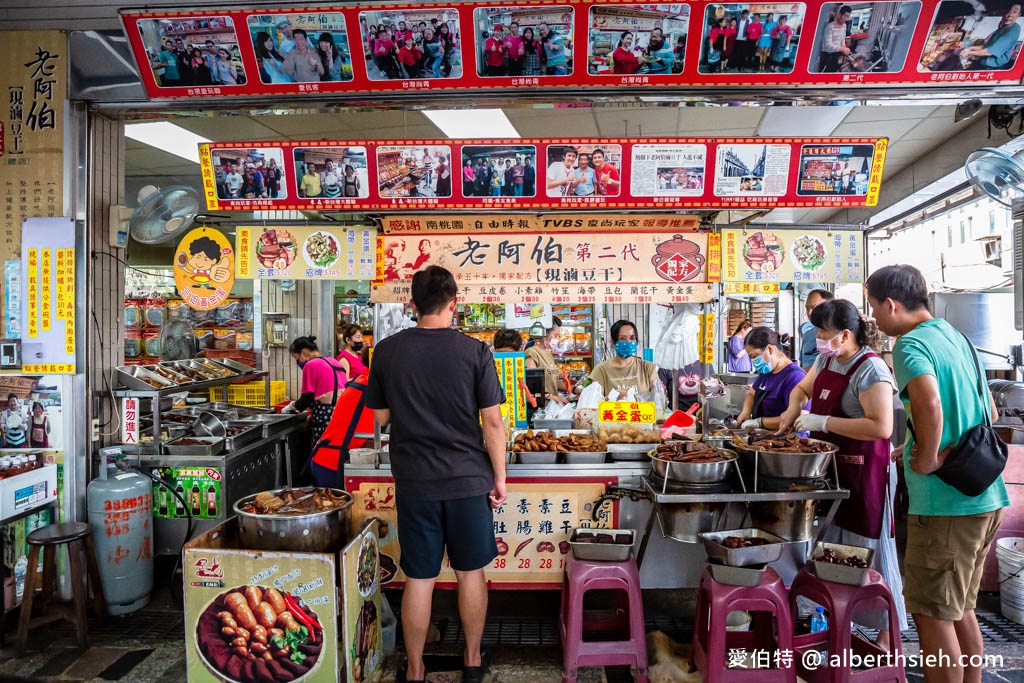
(78, 538)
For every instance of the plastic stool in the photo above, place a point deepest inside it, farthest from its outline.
(842, 601)
(78, 538)
(712, 642)
(582, 576)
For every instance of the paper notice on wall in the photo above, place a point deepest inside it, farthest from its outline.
(668, 170)
(12, 299)
(752, 170)
(47, 247)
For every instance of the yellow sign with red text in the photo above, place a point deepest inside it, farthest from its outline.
(627, 413)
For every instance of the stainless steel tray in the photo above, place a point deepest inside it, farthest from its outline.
(240, 368)
(603, 552)
(742, 557)
(198, 367)
(736, 576)
(241, 410)
(839, 573)
(219, 369)
(537, 457)
(178, 378)
(212, 446)
(586, 457)
(129, 376)
(272, 424)
(629, 452)
(251, 434)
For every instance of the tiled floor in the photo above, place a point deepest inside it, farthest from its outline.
(148, 646)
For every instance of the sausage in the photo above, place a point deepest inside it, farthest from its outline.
(258, 648)
(227, 619)
(228, 631)
(234, 600)
(245, 617)
(276, 600)
(254, 596)
(242, 633)
(239, 642)
(287, 621)
(265, 614)
(521, 547)
(259, 634)
(275, 633)
(241, 651)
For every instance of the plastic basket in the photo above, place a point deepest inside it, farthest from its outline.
(252, 394)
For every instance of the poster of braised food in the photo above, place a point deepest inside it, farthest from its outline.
(792, 256)
(531, 529)
(304, 252)
(363, 642)
(259, 616)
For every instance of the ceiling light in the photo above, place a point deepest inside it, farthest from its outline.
(167, 137)
(473, 123)
(802, 121)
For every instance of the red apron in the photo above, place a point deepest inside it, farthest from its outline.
(863, 465)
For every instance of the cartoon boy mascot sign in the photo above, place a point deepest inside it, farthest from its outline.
(204, 268)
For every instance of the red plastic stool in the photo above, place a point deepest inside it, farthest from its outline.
(712, 642)
(582, 576)
(841, 602)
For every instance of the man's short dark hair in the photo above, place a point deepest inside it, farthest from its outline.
(761, 337)
(570, 150)
(432, 289)
(823, 294)
(508, 339)
(845, 9)
(902, 283)
(301, 32)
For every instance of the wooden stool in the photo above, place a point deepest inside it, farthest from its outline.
(78, 537)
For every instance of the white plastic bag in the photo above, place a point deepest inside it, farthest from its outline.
(591, 396)
(678, 346)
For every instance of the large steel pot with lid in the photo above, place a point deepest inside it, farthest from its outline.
(317, 532)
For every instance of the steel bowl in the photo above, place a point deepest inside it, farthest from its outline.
(787, 465)
(208, 424)
(319, 532)
(693, 472)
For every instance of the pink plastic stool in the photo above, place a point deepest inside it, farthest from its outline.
(582, 576)
(712, 642)
(841, 602)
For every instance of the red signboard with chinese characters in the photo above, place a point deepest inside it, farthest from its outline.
(368, 48)
(532, 528)
(646, 267)
(553, 174)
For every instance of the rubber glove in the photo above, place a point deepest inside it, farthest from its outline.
(812, 423)
(290, 408)
(751, 424)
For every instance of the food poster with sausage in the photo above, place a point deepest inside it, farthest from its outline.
(532, 528)
(204, 268)
(305, 252)
(793, 256)
(259, 616)
(363, 642)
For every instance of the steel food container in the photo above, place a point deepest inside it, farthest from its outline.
(239, 368)
(585, 457)
(210, 446)
(603, 552)
(840, 573)
(537, 457)
(629, 452)
(318, 532)
(791, 520)
(140, 379)
(685, 521)
(271, 424)
(788, 465)
(252, 433)
(693, 472)
(208, 424)
(736, 576)
(742, 557)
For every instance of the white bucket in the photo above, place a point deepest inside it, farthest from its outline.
(1010, 553)
(362, 456)
(737, 621)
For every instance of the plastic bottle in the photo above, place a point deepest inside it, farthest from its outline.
(20, 569)
(819, 622)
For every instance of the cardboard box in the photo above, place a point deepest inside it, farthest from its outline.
(215, 566)
(28, 491)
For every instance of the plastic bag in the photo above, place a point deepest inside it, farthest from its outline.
(564, 411)
(590, 397)
(677, 346)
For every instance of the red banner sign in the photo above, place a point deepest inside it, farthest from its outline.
(369, 48)
(634, 173)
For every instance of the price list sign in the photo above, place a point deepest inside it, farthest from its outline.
(48, 255)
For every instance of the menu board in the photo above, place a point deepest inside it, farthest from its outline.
(551, 268)
(363, 617)
(774, 256)
(532, 528)
(541, 173)
(548, 222)
(48, 252)
(370, 48)
(305, 252)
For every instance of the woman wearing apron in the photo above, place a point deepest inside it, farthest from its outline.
(851, 392)
(322, 380)
(777, 376)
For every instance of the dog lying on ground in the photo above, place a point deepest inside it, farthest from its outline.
(669, 661)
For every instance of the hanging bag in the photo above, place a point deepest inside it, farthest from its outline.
(979, 458)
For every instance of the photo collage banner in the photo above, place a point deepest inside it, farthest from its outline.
(367, 48)
(626, 173)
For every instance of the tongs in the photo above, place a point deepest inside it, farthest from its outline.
(754, 438)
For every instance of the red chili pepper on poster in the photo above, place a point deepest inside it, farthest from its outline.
(298, 609)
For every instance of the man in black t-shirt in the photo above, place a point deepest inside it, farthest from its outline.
(439, 391)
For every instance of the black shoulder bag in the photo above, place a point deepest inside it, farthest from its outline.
(979, 458)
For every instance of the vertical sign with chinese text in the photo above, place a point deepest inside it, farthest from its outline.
(130, 421)
(48, 254)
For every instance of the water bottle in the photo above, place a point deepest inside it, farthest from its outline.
(20, 569)
(819, 622)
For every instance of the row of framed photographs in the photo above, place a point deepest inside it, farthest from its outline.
(521, 171)
(641, 43)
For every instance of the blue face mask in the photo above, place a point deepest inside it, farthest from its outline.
(760, 366)
(625, 349)
(300, 363)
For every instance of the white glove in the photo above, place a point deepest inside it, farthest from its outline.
(290, 408)
(751, 424)
(812, 423)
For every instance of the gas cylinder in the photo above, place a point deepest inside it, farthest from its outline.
(121, 517)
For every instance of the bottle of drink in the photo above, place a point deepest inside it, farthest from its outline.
(179, 508)
(197, 507)
(211, 501)
(819, 622)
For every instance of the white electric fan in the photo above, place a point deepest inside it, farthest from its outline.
(177, 341)
(162, 216)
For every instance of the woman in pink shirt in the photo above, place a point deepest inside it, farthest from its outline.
(323, 380)
(350, 356)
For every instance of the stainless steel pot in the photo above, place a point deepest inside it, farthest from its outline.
(320, 532)
(791, 520)
(683, 521)
(787, 465)
(694, 472)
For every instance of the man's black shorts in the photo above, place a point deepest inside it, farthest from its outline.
(464, 526)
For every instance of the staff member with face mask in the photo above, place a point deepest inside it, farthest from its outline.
(350, 357)
(542, 355)
(777, 376)
(625, 370)
(323, 379)
(851, 392)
